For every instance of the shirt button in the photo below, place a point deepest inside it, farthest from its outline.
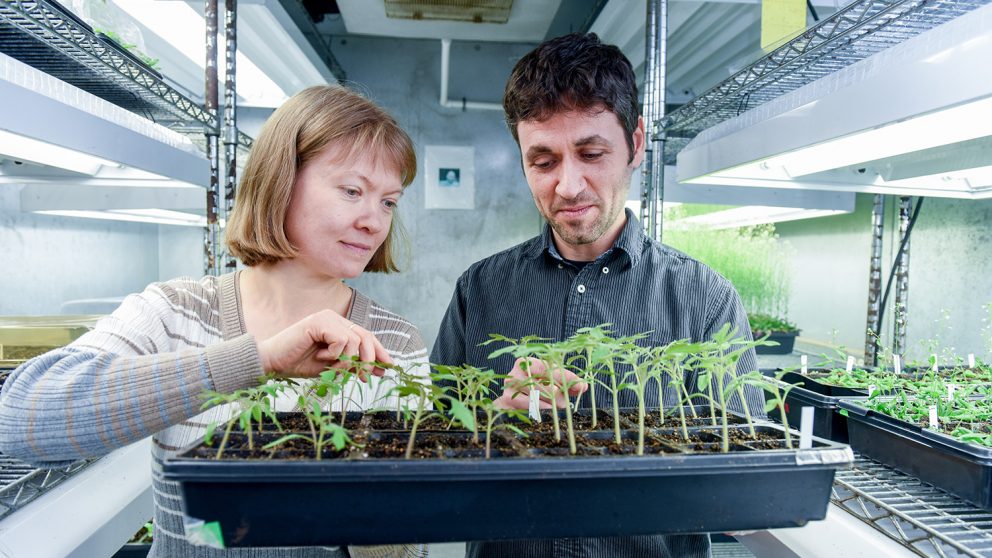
(606, 269)
(581, 289)
(560, 266)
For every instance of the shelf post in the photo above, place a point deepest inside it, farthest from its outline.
(653, 176)
(873, 328)
(228, 263)
(211, 261)
(902, 279)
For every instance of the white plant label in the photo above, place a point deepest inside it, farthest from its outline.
(934, 364)
(971, 360)
(806, 428)
(934, 424)
(803, 360)
(850, 364)
(534, 408)
(871, 390)
(897, 363)
(950, 391)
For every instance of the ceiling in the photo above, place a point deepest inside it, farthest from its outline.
(707, 41)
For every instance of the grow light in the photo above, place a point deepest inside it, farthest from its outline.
(155, 216)
(756, 215)
(837, 132)
(24, 148)
(266, 78)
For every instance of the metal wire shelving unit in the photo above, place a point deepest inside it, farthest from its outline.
(853, 33)
(922, 518)
(44, 35)
(21, 483)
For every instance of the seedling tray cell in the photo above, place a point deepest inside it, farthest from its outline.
(387, 501)
(960, 468)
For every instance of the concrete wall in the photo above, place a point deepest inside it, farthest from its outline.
(404, 77)
(950, 281)
(49, 260)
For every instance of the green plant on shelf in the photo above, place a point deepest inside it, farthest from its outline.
(130, 47)
(764, 324)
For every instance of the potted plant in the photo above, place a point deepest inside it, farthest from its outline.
(776, 330)
(455, 468)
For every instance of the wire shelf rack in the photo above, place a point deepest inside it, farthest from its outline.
(924, 519)
(43, 34)
(21, 483)
(853, 33)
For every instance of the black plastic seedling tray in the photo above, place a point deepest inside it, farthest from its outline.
(960, 468)
(388, 501)
(813, 385)
(827, 422)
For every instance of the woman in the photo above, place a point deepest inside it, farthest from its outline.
(315, 206)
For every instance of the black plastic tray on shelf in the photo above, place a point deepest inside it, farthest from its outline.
(388, 501)
(960, 468)
(807, 392)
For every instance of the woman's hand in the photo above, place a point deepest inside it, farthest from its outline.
(311, 345)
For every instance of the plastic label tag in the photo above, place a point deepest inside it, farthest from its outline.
(871, 390)
(806, 428)
(803, 360)
(897, 363)
(201, 533)
(534, 407)
(850, 364)
(934, 423)
(971, 360)
(934, 364)
(950, 391)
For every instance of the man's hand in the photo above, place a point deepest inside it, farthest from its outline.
(530, 373)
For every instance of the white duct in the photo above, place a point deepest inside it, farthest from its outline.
(464, 105)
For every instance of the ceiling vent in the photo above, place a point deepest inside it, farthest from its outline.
(474, 11)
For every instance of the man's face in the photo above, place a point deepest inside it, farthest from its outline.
(576, 164)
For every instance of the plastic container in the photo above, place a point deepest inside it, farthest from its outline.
(960, 468)
(827, 422)
(813, 385)
(786, 342)
(384, 501)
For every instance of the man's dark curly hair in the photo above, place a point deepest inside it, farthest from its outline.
(573, 72)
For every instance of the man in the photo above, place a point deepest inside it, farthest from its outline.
(571, 104)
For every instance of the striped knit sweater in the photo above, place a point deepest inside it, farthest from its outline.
(140, 373)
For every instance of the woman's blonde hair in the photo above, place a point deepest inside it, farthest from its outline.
(295, 133)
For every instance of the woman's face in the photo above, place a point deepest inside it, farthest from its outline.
(341, 211)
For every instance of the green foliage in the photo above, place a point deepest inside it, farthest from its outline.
(132, 48)
(593, 353)
(751, 258)
(762, 324)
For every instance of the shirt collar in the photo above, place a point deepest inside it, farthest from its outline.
(631, 241)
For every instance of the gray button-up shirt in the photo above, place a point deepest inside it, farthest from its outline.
(638, 285)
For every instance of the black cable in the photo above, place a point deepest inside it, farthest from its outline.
(892, 272)
(812, 10)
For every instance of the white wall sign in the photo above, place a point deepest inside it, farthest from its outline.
(449, 177)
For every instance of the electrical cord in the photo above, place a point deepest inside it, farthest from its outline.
(892, 272)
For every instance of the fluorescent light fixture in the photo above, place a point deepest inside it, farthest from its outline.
(904, 108)
(755, 215)
(182, 26)
(155, 216)
(952, 125)
(23, 148)
(979, 178)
